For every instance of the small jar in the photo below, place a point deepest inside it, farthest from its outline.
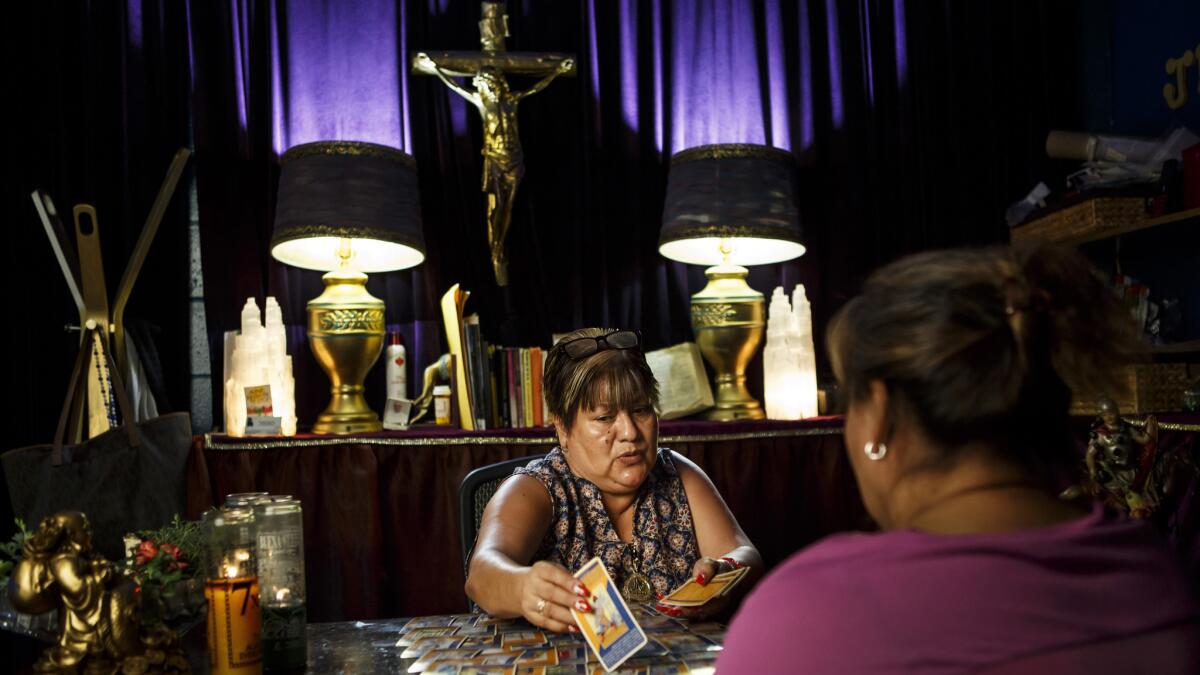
(441, 404)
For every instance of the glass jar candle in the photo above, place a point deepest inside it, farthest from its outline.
(232, 591)
(280, 526)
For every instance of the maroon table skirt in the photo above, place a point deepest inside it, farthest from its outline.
(381, 510)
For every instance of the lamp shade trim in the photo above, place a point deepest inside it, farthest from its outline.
(731, 151)
(730, 231)
(348, 149)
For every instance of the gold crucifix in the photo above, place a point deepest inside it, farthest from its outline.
(503, 160)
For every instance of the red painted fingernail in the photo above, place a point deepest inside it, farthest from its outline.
(582, 606)
(658, 595)
(580, 589)
(675, 611)
(662, 608)
(700, 578)
(573, 629)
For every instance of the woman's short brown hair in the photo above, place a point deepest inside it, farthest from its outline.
(619, 378)
(985, 344)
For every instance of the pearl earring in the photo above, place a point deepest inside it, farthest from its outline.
(875, 452)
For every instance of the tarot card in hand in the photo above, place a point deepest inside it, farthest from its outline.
(692, 594)
(609, 629)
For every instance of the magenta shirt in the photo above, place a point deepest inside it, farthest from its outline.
(907, 601)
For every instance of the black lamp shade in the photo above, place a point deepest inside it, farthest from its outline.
(335, 190)
(739, 194)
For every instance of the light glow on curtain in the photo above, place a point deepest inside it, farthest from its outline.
(835, 64)
(337, 73)
(900, 33)
(338, 70)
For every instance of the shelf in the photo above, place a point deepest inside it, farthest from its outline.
(1145, 224)
(1188, 347)
(1073, 236)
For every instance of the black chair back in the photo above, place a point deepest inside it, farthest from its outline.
(475, 491)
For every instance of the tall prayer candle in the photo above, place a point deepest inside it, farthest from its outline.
(232, 591)
(280, 526)
(234, 628)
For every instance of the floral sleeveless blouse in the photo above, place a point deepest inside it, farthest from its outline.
(664, 546)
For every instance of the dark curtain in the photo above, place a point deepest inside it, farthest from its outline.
(97, 99)
(915, 125)
(98, 94)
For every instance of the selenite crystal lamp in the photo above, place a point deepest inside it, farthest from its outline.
(730, 205)
(347, 208)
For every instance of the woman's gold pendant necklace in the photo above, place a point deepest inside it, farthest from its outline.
(637, 588)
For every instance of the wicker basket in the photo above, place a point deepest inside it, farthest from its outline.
(1085, 221)
(1152, 387)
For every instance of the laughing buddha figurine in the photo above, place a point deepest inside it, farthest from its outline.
(98, 607)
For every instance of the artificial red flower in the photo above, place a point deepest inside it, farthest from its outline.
(146, 551)
(171, 550)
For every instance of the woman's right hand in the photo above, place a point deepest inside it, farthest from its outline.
(548, 592)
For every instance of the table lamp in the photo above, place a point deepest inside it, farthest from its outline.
(347, 208)
(730, 205)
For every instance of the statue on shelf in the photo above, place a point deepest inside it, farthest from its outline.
(436, 373)
(503, 160)
(99, 608)
(1124, 467)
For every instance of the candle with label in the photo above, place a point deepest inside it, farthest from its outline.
(234, 629)
(232, 591)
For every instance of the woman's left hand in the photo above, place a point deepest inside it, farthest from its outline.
(703, 572)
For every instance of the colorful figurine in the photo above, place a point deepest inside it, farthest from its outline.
(1124, 467)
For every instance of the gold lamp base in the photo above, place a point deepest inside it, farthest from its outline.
(345, 333)
(728, 322)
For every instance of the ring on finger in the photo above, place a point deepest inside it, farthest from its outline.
(540, 606)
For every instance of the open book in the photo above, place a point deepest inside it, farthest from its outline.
(683, 387)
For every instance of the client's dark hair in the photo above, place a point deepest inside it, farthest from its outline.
(985, 344)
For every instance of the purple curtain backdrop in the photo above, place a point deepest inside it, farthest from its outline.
(888, 107)
(914, 123)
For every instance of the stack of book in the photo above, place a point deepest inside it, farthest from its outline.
(510, 380)
(496, 387)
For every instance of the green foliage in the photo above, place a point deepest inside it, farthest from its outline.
(185, 534)
(10, 552)
(165, 559)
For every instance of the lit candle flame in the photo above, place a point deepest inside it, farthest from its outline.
(282, 594)
(231, 571)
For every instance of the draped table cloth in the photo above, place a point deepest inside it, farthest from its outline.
(381, 510)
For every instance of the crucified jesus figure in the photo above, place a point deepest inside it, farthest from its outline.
(503, 160)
